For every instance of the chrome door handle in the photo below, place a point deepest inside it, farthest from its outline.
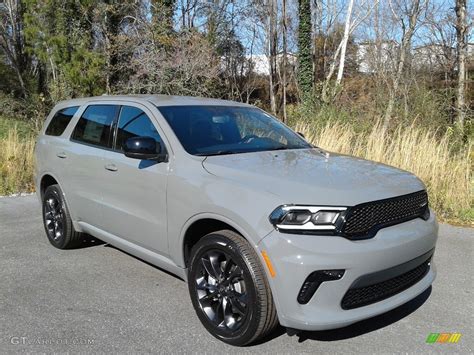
(111, 167)
(61, 155)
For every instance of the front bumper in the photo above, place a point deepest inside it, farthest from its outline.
(294, 257)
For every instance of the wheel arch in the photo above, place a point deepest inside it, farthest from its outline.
(202, 224)
(47, 179)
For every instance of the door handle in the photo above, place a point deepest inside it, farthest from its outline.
(111, 167)
(61, 155)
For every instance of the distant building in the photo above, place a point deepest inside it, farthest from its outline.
(372, 56)
(434, 57)
(261, 66)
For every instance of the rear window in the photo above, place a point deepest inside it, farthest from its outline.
(60, 121)
(94, 126)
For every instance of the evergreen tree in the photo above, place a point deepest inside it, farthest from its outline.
(305, 65)
(62, 41)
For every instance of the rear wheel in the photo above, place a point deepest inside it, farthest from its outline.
(229, 289)
(57, 220)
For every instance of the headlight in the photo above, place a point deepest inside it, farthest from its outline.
(307, 218)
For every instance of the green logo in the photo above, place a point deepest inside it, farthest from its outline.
(443, 338)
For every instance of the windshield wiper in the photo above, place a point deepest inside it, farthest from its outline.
(219, 152)
(280, 148)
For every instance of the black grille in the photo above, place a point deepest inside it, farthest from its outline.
(358, 297)
(363, 221)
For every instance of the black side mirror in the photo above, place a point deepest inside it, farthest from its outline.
(301, 134)
(143, 148)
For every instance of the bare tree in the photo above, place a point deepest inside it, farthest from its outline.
(461, 35)
(188, 10)
(272, 52)
(441, 43)
(407, 14)
(12, 40)
(351, 24)
(285, 59)
(344, 41)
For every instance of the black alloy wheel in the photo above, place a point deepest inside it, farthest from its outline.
(229, 289)
(57, 220)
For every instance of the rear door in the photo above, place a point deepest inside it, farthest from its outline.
(50, 158)
(84, 178)
(135, 194)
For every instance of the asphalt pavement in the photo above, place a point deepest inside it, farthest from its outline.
(100, 299)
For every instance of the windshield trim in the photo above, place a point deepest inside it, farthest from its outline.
(250, 151)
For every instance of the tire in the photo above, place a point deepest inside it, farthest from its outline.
(229, 289)
(57, 220)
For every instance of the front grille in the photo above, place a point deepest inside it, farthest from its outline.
(358, 297)
(364, 220)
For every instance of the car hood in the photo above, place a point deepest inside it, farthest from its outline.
(313, 176)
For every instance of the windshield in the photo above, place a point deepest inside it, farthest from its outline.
(220, 130)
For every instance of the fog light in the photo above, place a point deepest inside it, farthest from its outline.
(314, 280)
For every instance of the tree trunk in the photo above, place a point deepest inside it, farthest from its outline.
(317, 25)
(305, 63)
(12, 40)
(461, 36)
(325, 95)
(405, 47)
(345, 39)
(272, 51)
(284, 64)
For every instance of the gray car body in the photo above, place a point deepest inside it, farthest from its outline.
(147, 211)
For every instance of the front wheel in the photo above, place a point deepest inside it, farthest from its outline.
(229, 289)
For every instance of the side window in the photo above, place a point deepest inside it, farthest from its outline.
(60, 121)
(133, 122)
(94, 126)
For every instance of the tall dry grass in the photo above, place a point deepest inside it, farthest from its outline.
(446, 173)
(16, 162)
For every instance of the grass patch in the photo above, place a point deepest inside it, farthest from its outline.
(24, 129)
(17, 143)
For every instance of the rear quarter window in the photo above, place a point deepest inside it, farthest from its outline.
(60, 120)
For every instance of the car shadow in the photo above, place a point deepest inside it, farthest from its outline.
(356, 329)
(87, 241)
(368, 325)
(143, 261)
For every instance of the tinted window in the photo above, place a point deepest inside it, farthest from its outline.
(60, 121)
(94, 125)
(133, 122)
(214, 130)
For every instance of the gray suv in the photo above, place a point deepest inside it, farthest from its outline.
(265, 227)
